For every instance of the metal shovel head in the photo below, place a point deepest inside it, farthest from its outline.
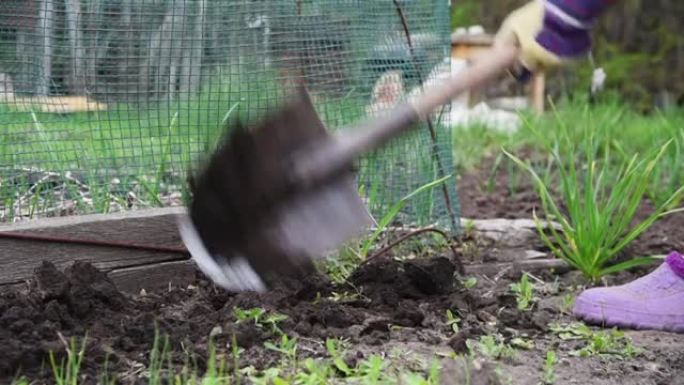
(249, 223)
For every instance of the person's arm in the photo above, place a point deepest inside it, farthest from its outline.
(550, 32)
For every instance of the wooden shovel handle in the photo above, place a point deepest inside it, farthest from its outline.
(373, 133)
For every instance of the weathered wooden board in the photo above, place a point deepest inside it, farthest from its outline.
(156, 276)
(18, 258)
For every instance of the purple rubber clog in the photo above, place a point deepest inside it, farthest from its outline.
(654, 301)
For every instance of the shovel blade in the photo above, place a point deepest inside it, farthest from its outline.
(248, 225)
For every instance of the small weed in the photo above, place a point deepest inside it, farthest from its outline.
(20, 381)
(452, 321)
(286, 346)
(568, 301)
(548, 371)
(492, 346)
(336, 349)
(314, 373)
(261, 318)
(603, 342)
(346, 296)
(371, 369)
(524, 293)
(470, 283)
(522, 343)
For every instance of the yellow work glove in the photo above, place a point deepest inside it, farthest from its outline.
(521, 28)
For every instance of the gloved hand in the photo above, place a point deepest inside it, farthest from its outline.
(547, 37)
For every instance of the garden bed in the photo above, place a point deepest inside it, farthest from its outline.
(393, 308)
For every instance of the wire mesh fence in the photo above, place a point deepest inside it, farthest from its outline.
(105, 104)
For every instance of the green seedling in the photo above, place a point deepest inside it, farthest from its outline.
(524, 293)
(66, 372)
(20, 381)
(568, 301)
(522, 343)
(452, 321)
(336, 349)
(470, 283)
(286, 346)
(371, 369)
(492, 346)
(314, 373)
(469, 227)
(346, 296)
(598, 343)
(261, 318)
(548, 371)
(600, 200)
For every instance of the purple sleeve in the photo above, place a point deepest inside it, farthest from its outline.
(584, 11)
(567, 24)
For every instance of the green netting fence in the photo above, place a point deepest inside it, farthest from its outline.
(105, 104)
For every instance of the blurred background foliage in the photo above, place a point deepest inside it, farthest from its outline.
(639, 44)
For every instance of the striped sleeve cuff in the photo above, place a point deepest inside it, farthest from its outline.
(581, 13)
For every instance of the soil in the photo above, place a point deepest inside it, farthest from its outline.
(392, 307)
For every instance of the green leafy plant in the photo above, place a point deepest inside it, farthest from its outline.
(524, 293)
(600, 201)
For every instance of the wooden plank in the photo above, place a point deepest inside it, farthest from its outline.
(492, 269)
(154, 277)
(157, 227)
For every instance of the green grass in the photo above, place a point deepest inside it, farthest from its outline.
(137, 154)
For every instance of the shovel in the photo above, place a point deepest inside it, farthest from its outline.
(275, 197)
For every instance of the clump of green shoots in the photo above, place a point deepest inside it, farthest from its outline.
(598, 198)
(66, 371)
(524, 293)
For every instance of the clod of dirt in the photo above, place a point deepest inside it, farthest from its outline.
(431, 276)
(90, 289)
(49, 283)
(458, 342)
(246, 334)
(388, 281)
(67, 302)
